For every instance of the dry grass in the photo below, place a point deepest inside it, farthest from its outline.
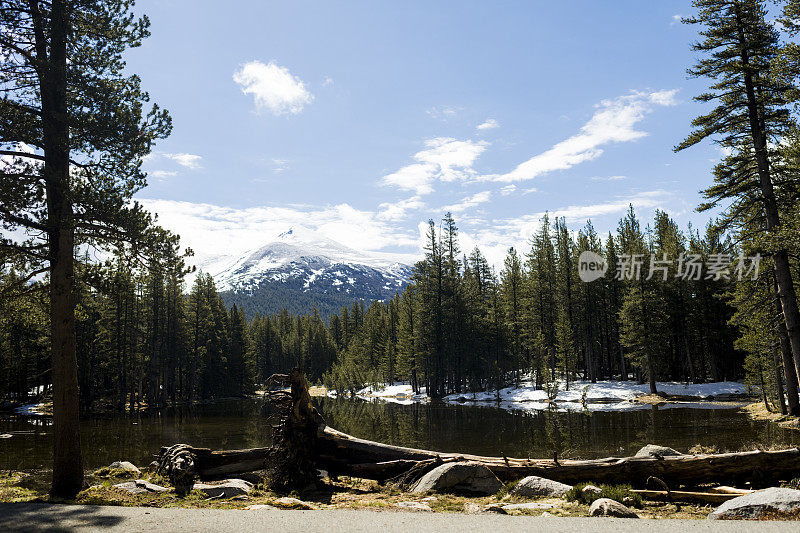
(345, 493)
(758, 411)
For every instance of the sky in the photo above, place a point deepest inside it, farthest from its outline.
(364, 119)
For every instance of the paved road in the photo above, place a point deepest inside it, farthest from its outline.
(47, 517)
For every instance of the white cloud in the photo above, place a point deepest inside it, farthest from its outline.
(496, 237)
(273, 87)
(213, 230)
(190, 161)
(609, 178)
(613, 122)
(444, 159)
(279, 165)
(327, 81)
(508, 189)
(642, 200)
(161, 174)
(396, 211)
(444, 112)
(488, 124)
(676, 19)
(470, 201)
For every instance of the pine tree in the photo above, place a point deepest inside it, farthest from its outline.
(741, 47)
(75, 127)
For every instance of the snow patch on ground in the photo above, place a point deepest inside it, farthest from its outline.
(600, 396)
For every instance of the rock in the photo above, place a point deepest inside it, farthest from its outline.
(656, 451)
(140, 486)
(459, 477)
(415, 506)
(530, 506)
(539, 486)
(293, 503)
(118, 469)
(591, 489)
(472, 508)
(429, 499)
(228, 488)
(493, 508)
(770, 503)
(608, 507)
(476, 508)
(260, 507)
(125, 466)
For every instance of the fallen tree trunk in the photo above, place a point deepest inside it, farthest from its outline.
(343, 454)
(304, 440)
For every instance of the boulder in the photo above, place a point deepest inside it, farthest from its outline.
(118, 469)
(292, 503)
(228, 488)
(459, 477)
(591, 489)
(260, 507)
(539, 486)
(609, 507)
(414, 506)
(656, 451)
(767, 503)
(140, 486)
(125, 466)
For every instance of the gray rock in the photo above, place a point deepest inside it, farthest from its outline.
(591, 489)
(772, 502)
(459, 477)
(656, 451)
(140, 486)
(293, 503)
(229, 488)
(414, 506)
(539, 486)
(608, 507)
(125, 466)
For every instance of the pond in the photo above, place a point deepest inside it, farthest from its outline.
(483, 430)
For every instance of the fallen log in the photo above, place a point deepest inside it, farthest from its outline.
(304, 443)
(183, 463)
(346, 455)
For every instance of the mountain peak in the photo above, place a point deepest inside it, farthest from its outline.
(309, 261)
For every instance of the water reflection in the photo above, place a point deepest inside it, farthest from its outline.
(437, 426)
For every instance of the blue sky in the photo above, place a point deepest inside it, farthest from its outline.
(365, 119)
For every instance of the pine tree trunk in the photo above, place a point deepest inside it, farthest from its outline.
(776, 360)
(789, 371)
(780, 258)
(67, 461)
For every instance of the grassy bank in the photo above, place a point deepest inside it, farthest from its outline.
(758, 411)
(346, 493)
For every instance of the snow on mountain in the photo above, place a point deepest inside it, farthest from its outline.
(304, 260)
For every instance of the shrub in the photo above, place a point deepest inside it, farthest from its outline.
(612, 492)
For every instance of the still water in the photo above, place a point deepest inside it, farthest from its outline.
(482, 430)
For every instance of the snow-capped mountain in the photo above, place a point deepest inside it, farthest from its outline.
(306, 269)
